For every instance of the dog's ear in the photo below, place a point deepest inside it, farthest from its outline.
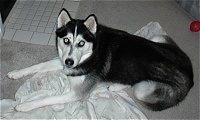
(91, 23)
(63, 18)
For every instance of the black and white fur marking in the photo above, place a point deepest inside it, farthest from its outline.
(159, 71)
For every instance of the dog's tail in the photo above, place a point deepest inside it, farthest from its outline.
(167, 88)
(163, 39)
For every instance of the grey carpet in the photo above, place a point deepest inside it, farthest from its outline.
(129, 16)
(16, 55)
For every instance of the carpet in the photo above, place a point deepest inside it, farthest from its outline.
(17, 55)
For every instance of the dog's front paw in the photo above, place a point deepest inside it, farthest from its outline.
(23, 107)
(16, 74)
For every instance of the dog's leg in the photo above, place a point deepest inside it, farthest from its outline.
(51, 65)
(61, 99)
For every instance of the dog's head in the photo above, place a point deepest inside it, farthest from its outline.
(75, 38)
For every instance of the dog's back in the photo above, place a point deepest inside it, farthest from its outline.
(162, 73)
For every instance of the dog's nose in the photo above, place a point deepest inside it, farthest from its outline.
(69, 62)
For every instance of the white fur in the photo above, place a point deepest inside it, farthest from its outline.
(70, 37)
(75, 33)
(79, 55)
(51, 65)
(91, 24)
(144, 89)
(63, 19)
(85, 57)
(158, 39)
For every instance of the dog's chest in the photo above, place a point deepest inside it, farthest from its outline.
(76, 81)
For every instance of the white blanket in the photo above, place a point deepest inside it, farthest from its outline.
(102, 103)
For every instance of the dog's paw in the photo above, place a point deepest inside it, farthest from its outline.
(16, 74)
(23, 107)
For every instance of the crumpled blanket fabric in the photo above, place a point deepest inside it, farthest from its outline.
(102, 103)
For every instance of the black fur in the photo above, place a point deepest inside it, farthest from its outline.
(134, 59)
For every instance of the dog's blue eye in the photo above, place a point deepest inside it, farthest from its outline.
(66, 41)
(81, 44)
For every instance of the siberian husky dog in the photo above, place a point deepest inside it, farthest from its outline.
(158, 70)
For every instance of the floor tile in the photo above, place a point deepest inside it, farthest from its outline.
(20, 6)
(22, 16)
(42, 23)
(32, 12)
(56, 10)
(36, 3)
(22, 36)
(41, 8)
(8, 34)
(55, 14)
(48, 30)
(45, 18)
(52, 19)
(44, 3)
(51, 24)
(49, 9)
(39, 12)
(33, 28)
(17, 26)
(15, 15)
(12, 20)
(38, 18)
(58, 5)
(76, 0)
(24, 12)
(54, 29)
(27, 22)
(40, 29)
(40, 38)
(10, 25)
(52, 40)
(18, 10)
(47, 13)
(30, 16)
(26, 7)
(35, 23)
(25, 27)
(20, 20)
(51, 3)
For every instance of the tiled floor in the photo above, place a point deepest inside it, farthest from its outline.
(34, 21)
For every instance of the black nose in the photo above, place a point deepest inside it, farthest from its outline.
(69, 62)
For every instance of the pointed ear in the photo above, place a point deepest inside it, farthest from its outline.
(91, 23)
(63, 18)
